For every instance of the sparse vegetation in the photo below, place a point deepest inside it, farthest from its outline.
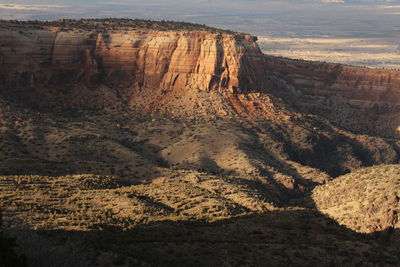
(108, 24)
(157, 188)
(366, 200)
(126, 176)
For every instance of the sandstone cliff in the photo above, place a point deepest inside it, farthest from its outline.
(133, 60)
(188, 74)
(359, 99)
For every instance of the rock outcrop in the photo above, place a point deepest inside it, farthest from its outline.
(133, 60)
(188, 74)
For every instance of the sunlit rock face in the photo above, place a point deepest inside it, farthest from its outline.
(33, 59)
(188, 74)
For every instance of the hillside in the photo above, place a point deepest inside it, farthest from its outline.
(366, 200)
(123, 144)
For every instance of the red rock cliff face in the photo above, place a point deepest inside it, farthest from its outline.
(136, 59)
(190, 75)
(360, 99)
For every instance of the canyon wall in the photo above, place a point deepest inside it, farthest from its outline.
(206, 61)
(189, 74)
(358, 99)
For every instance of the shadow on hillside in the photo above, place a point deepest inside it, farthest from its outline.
(91, 159)
(90, 163)
(335, 152)
(390, 236)
(278, 238)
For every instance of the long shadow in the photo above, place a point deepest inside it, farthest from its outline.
(332, 151)
(277, 238)
(296, 191)
(291, 237)
(390, 236)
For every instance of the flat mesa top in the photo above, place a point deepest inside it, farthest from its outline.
(112, 24)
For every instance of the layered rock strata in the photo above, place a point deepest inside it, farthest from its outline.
(188, 74)
(31, 59)
(359, 99)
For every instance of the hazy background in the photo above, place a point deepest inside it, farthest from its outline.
(353, 32)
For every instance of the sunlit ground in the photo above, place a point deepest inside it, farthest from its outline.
(377, 53)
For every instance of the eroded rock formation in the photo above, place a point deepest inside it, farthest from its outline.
(189, 74)
(30, 59)
(359, 99)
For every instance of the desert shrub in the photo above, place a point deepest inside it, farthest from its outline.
(89, 182)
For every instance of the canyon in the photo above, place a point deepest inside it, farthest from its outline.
(173, 138)
(149, 69)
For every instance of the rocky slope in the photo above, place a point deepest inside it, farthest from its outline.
(110, 130)
(366, 200)
(359, 99)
